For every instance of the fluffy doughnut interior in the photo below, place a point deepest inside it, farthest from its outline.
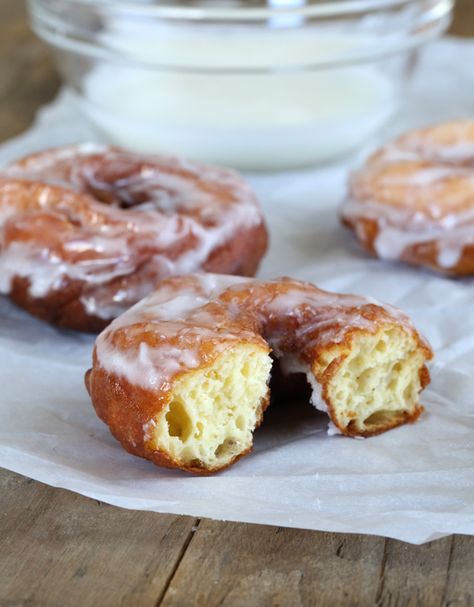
(210, 418)
(213, 411)
(377, 384)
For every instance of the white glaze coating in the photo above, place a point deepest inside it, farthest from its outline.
(431, 175)
(458, 153)
(399, 229)
(180, 219)
(463, 151)
(435, 179)
(185, 313)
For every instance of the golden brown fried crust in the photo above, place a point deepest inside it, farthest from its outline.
(127, 408)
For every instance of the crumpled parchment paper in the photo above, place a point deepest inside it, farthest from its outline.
(415, 483)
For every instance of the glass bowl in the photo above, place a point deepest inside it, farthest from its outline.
(254, 85)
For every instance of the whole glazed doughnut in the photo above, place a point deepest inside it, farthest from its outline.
(86, 231)
(414, 199)
(182, 378)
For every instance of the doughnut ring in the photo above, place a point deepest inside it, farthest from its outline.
(182, 378)
(86, 231)
(413, 201)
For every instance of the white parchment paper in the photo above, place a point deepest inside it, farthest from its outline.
(415, 483)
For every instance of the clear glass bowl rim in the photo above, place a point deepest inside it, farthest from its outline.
(59, 29)
(192, 11)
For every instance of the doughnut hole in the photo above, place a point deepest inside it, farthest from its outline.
(213, 412)
(376, 387)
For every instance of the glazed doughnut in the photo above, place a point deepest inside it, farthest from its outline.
(414, 199)
(87, 231)
(182, 378)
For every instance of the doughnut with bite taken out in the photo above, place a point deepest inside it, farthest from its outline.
(182, 378)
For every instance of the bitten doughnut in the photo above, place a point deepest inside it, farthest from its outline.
(182, 378)
(414, 199)
(86, 231)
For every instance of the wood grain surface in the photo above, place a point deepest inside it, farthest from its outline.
(60, 549)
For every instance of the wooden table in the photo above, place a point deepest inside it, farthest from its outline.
(59, 549)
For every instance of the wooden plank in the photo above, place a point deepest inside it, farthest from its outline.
(27, 76)
(230, 564)
(414, 575)
(463, 23)
(460, 581)
(59, 549)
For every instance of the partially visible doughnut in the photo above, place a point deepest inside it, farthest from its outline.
(182, 378)
(86, 231)
(414, 199)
